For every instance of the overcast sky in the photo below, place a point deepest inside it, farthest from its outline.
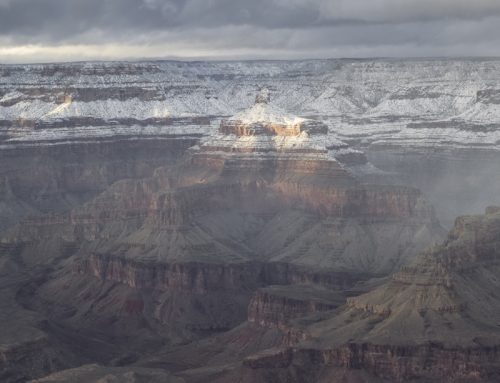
(73, 30)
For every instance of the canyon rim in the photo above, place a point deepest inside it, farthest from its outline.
(253, 221)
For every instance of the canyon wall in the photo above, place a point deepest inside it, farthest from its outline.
(142, 249)
(200, 278)
(395, 363)
(428, 123)
(435, 319)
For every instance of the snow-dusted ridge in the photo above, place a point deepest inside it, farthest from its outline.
(266, 113)
(435, 122)
(265, 132)
(371, 100)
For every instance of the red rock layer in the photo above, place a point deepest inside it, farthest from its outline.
(181, 205)
(397, 363)
(437, 318)
(199, 277)
(274, 310)
(193, 277)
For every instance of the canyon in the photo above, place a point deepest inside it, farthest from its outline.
(154, 212)
(436, 319)
(429, 123)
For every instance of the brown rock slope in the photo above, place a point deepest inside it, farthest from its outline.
(236, 198)
(94, 373)
(437, 320)
(156, 262)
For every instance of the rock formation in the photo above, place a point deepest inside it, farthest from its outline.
(265, 119)
(64, 139)
(231, 188)
(276, 306)
(99, 374)
(120, 240)
(153, 263)
(437, 319)
(426, 123)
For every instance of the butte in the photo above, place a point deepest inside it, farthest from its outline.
(176, 257)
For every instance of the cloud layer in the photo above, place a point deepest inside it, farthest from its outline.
(55, 30)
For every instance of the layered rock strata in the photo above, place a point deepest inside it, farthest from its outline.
(265, 119)
(276, 306)
(68, 132)
(177, 256)
(200, 278)
(427, 123)
(437, 319)
(244, 185)
(431, 124)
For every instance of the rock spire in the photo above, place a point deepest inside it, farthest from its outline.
(263, 97)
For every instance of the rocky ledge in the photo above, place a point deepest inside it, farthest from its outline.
(218, 206)
(276, 306)
(267, 119)
(436, 319)
(178, 255)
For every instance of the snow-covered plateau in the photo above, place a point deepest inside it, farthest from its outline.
(430, 123)
(452, 102)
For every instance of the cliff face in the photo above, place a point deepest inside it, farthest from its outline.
(182, 205)
(262, 119)
(436, 319)
(178, 254)
(395, 363)
(276, 306)
(159, 307)
(64, 139)
(200, 278)
(195, 278)
(141, 250)
(57, 178)
(233, 180)
(431, 124)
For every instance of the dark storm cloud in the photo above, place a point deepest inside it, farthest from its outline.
(222, 27)
(59, 19)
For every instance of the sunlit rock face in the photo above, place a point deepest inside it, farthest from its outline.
(178, 255)
(264, 144)
(265, 128)
(240, 198)
(426, 123)
(265, 118)
(284, 167)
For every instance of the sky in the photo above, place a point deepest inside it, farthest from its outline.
(75, 30)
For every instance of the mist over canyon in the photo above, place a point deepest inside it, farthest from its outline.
(260, 221)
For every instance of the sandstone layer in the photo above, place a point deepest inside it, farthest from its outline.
(230, 200)
(428, 123)
(154, 263)
(276, 306)
(436, 320)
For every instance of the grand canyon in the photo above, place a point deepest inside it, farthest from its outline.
(250, 221)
